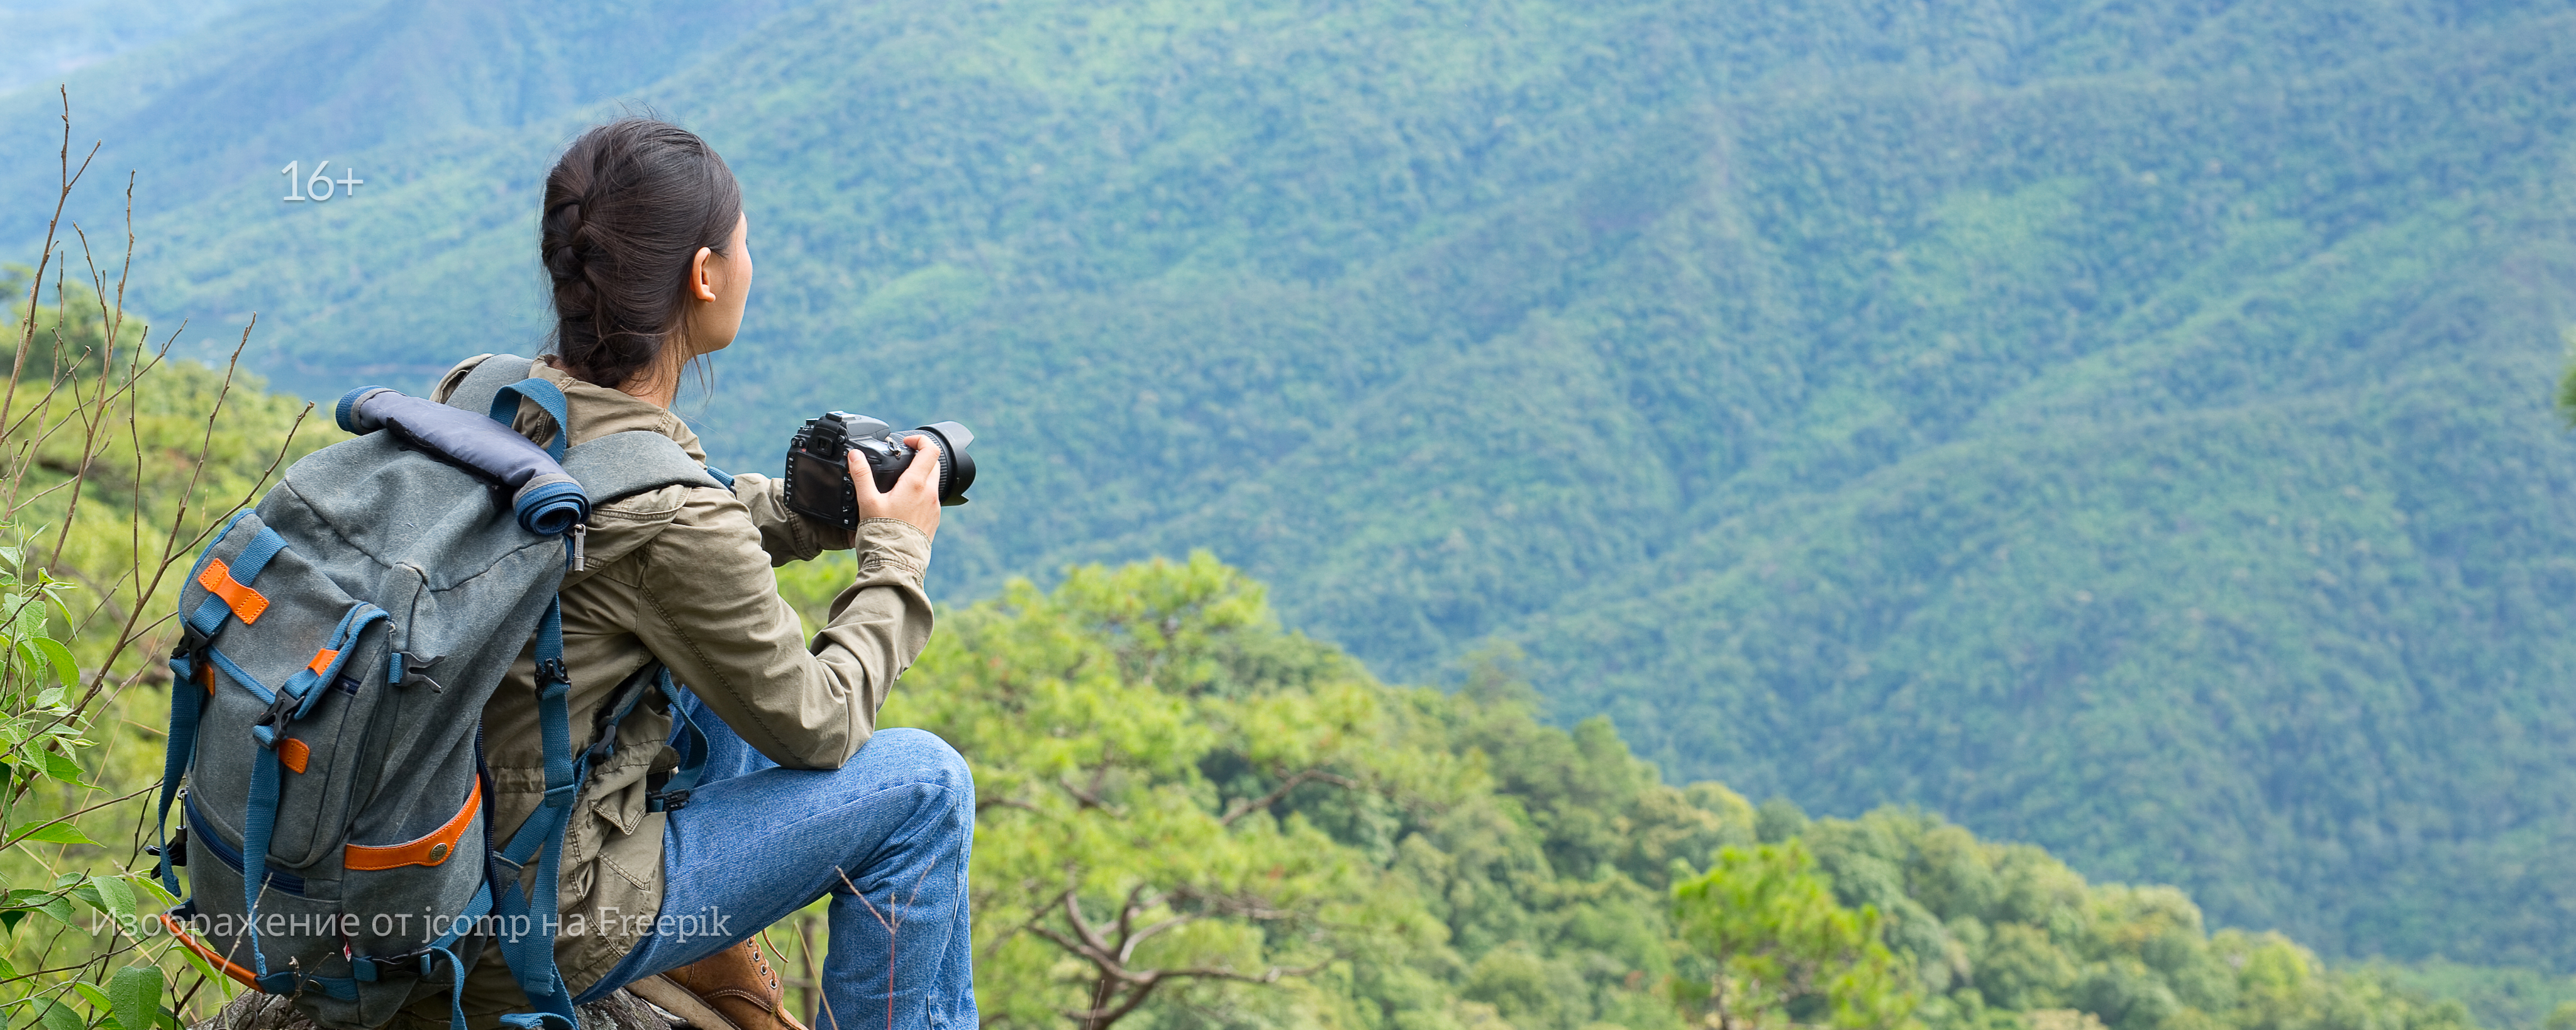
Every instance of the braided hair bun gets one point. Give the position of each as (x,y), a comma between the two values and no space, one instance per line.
(626,209)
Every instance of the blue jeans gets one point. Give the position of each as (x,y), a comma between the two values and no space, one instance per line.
(756,842)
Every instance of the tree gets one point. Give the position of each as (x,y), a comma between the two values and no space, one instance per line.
(1782,951)
(1133,734)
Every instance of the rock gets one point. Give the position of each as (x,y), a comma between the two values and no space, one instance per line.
(256,1011)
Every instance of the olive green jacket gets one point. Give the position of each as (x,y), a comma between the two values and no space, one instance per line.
(682,574)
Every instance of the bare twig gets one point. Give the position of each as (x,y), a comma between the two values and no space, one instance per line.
(901,913)
(27,333)
(813,972)
(170,552)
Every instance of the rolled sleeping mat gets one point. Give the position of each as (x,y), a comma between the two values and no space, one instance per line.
(551,504)
(546,500)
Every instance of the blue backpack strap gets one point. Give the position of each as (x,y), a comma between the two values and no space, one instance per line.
(255,834)
(691,741)
(245,567)
(343,637)
(445,948)
(530,950)
(495,387)
(505,410)
(527,942)
(186,704)
(686,736)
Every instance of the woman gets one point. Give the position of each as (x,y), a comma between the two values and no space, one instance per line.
(644,237)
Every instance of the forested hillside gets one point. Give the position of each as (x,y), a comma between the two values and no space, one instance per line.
(1263,835)
(2116,427)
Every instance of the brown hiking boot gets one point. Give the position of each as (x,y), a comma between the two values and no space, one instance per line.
(733,989)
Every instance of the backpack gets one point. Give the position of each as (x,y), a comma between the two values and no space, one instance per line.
(326,703)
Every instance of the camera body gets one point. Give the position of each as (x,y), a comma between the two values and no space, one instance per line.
(818,472)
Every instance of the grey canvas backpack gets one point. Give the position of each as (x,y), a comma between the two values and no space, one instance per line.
(326,703)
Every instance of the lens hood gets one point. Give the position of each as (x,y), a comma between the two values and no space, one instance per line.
(956,467)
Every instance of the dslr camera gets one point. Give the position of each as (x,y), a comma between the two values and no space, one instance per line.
(818,469)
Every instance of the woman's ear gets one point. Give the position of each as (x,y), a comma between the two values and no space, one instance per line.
(700,287)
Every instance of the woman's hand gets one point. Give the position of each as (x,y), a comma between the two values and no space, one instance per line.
(915,497)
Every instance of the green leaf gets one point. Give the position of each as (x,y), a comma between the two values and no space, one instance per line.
(118,896)
(7,970)
(59,1016)
(61,767)
(152,889)
(65,668)
(60,907)
(97,998)
(28,612)
(204,968)
(134,995)
(59,833)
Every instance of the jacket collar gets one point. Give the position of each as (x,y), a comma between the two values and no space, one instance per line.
(598,411)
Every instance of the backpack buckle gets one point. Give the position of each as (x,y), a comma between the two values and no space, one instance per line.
(280,712)
(373,968)
(553,670)
(666,800)
(176,854)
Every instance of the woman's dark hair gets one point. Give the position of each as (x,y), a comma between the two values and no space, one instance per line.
(627,208)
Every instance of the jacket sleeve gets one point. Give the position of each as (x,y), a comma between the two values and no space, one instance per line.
(713,614)
(787,536)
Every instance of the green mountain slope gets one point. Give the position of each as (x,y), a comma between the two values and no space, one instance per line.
(1440,861)
(2120,428)
(56,37)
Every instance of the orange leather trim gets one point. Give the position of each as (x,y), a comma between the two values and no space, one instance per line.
(236,972)
(206,675)
(433,849)
(321,662)
(295,753)
(218,580)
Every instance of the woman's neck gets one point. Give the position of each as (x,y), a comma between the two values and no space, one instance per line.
(658,383)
